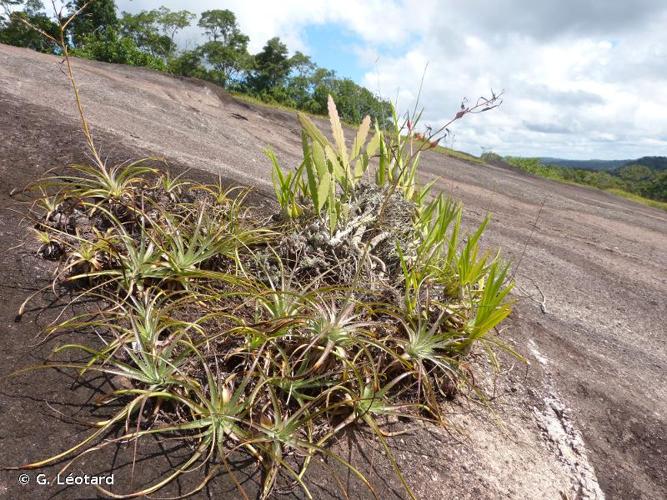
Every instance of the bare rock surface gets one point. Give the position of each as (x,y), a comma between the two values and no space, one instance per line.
(585,419)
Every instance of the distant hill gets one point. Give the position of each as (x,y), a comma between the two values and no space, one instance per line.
(653,162)
(644,177)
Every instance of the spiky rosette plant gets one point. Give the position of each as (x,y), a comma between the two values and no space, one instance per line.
(361,302)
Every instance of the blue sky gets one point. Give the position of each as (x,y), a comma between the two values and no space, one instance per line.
(332,46)
(582,78)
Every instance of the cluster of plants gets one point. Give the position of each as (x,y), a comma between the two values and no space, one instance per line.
(147,38)
(636,179)
(238,331)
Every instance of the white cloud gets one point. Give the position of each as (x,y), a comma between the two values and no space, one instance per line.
(374,21)
(584,79)
(569,95)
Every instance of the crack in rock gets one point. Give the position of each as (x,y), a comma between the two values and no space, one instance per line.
(556,422)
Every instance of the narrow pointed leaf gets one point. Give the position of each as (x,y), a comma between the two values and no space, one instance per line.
(319,159)
(323,191)
(311,172)
(337,131)
(312,130)
(360,138)
(374,143)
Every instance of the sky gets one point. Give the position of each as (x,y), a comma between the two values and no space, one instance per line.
(582,79)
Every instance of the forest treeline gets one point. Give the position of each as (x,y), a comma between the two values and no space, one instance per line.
(147,39)
(645,177)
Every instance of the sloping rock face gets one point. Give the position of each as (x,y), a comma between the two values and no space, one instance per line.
(585,418)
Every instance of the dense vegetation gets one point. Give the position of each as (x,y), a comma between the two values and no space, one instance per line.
(147,38)
(239,332)
(636,179)
(655,162)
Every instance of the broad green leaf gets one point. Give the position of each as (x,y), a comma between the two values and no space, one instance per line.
(374,143)
(324,191)
(337,131)
(319,159)
(360,167)
(312,130)
(334,165)
(311,172)
(360,139)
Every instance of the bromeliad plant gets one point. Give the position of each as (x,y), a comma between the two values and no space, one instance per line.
(329,173)
(235,338)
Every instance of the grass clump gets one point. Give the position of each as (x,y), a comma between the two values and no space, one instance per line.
(267,336)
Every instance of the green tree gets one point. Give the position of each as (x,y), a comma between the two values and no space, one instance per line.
(97,17)
(357,101)
(172,22)
(302,65)
(15,31)
(219,24)
(144,29)
(227,61)
(635,173)
(657,189)
(323,81)
(603,180)
(643,180)
(271,67)
(226,52)
(188,63)
(300,82)
(111,46)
